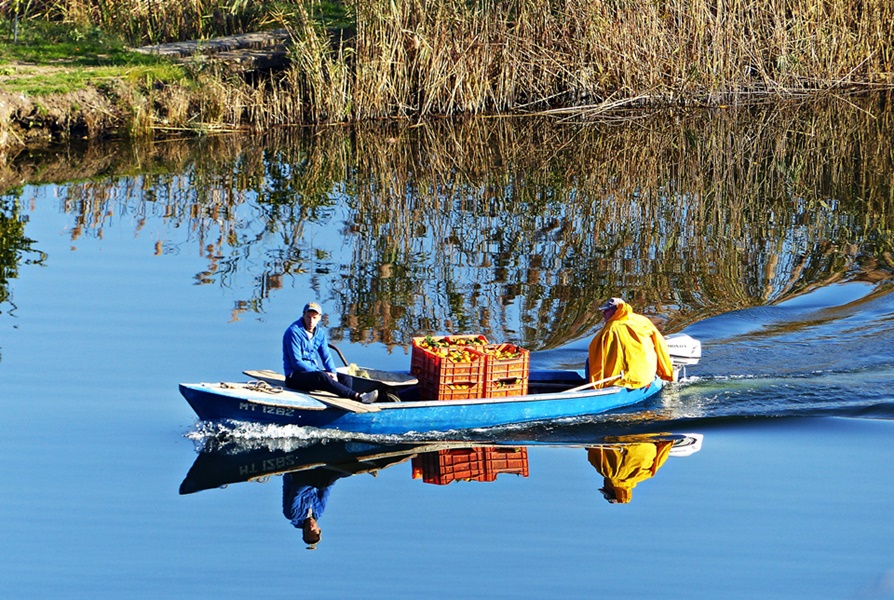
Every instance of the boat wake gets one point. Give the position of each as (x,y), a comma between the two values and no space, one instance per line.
(829,353)
(244,435)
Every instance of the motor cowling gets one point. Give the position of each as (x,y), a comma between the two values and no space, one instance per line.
(683,349)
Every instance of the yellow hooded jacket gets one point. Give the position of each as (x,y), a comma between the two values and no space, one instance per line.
(630,343)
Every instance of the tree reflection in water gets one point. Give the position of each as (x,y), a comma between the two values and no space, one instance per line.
(515,228)
(15,248)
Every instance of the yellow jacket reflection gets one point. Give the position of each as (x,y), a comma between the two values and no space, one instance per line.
(624,465)
(630,343)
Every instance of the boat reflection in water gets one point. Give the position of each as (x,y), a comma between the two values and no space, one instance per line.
(309,469)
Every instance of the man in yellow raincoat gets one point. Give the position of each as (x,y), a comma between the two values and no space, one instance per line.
(623,465)
(627,343)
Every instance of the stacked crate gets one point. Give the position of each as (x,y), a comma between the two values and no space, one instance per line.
(506,370)
(492,371)
(442,378)
(469,464)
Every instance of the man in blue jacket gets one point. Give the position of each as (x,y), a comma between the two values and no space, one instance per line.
(303,344)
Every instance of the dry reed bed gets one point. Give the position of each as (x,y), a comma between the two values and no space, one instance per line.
(531,221)
(443,57)
(154,21)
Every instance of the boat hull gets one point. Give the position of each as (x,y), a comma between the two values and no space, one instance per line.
(218,402)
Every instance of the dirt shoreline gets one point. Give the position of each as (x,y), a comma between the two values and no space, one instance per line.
(120,108)
(48,119)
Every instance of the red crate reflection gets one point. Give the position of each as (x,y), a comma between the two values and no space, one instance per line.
(469,464)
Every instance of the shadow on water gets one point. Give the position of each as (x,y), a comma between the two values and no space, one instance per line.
(509,228)
(310,468)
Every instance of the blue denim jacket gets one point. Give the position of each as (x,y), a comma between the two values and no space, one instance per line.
(300,353)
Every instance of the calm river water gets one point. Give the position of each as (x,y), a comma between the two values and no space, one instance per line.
(767,235)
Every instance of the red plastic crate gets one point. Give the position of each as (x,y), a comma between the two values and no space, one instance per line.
(507,376)
(440,378)
(451,391)
(421,354)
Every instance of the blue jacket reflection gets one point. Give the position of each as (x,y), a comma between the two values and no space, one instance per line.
(297,498)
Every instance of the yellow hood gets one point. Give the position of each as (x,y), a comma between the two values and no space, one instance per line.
(631,344)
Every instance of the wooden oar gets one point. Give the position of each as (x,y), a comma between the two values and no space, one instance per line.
(275,378)
(340,355)
(592,383)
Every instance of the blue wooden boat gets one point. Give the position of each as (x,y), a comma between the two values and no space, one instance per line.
(268,404)
(554,394)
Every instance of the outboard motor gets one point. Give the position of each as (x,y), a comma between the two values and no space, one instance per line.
(683,350)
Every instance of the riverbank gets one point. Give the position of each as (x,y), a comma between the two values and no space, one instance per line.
(414,60)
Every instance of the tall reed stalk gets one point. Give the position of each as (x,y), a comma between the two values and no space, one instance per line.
(158,21)
(449,56)
(415,58)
